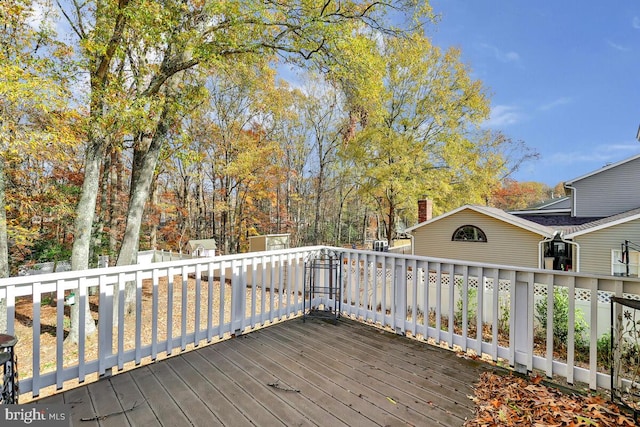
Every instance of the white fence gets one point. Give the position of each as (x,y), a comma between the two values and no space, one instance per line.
(182,304)
(392,290)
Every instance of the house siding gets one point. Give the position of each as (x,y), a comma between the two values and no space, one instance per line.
(608,192)
(595,247)
(506,244)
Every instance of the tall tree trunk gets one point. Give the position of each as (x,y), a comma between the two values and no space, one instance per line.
(153,229)
(4,246)
(316,222)
(115,210)
(144,163)
(85,212)
(391,223)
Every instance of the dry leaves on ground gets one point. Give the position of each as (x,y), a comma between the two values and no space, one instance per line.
(515,401)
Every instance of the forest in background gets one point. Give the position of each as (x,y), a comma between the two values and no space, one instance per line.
(137,124)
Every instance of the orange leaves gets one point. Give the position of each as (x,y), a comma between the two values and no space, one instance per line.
(515,401)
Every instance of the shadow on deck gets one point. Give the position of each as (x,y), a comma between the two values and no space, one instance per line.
(289,374)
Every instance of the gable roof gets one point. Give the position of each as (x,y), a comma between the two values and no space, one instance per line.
(602,169)
(558,205)
(495,213)
(602,223)
(203,243)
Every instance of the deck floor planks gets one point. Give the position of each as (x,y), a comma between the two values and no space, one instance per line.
(130,396)
(400,366)
(440,366)
(226,360)
(193,408)
(236,395)
(373,383)
(167,410)
(323,404)
(443,361)
(105,401)
(386,411)
(81,406)
(191,367)
(347,374)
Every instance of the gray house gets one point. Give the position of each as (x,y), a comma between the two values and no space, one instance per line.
(595,228)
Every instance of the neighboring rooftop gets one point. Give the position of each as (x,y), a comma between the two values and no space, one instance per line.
(556,221)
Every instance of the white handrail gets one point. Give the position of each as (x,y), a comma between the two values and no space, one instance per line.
(189,302)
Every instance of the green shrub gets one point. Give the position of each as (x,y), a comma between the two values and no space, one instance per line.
(561,320)
(472,307)
(604,350)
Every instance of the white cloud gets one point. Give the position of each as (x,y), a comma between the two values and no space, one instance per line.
(501,55)
(503,115)
(617,46)
(635,22)
(556,103)
(600,155)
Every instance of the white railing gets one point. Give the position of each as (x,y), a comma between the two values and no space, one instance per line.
(439,299)
(178,304)
(182,304)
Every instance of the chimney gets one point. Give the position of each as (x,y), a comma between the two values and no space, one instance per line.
(425,210)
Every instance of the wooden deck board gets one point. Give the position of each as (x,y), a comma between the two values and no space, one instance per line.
(257,389)
(347,374)
(368,377)
(167,410)
(404,370)
(81,406)
(130,395)
(181,392)
(191,367)
(105,401)
(323,398)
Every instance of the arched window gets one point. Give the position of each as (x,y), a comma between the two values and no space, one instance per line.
(469,233)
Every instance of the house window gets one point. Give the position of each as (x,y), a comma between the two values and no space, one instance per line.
(619,265)
(469,233)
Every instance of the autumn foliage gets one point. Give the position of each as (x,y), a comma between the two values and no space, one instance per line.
(515,401)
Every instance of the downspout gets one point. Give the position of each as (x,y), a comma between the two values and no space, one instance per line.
(540,250)
(574,190)
(576,267)
(411,237)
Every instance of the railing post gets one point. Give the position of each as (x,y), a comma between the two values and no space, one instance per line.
(238,296)
(522,333)
(105,325)
(400,296)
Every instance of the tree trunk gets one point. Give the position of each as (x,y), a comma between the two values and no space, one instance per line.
(4,247)
(144,164)
(391,223)
(316,222)
(85,212)
(153,228)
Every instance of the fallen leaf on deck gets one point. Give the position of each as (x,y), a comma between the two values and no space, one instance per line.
(515,401)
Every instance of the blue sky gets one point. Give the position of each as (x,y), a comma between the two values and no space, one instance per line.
(563,76)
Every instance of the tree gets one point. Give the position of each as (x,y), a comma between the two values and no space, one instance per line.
(171,38)
(512,195)
(423,138)
(323,119)
(32,98)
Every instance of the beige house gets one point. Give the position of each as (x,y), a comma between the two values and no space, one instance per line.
(608,245)
(482,234)
(595,228)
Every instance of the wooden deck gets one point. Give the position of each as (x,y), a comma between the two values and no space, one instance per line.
(288,374)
